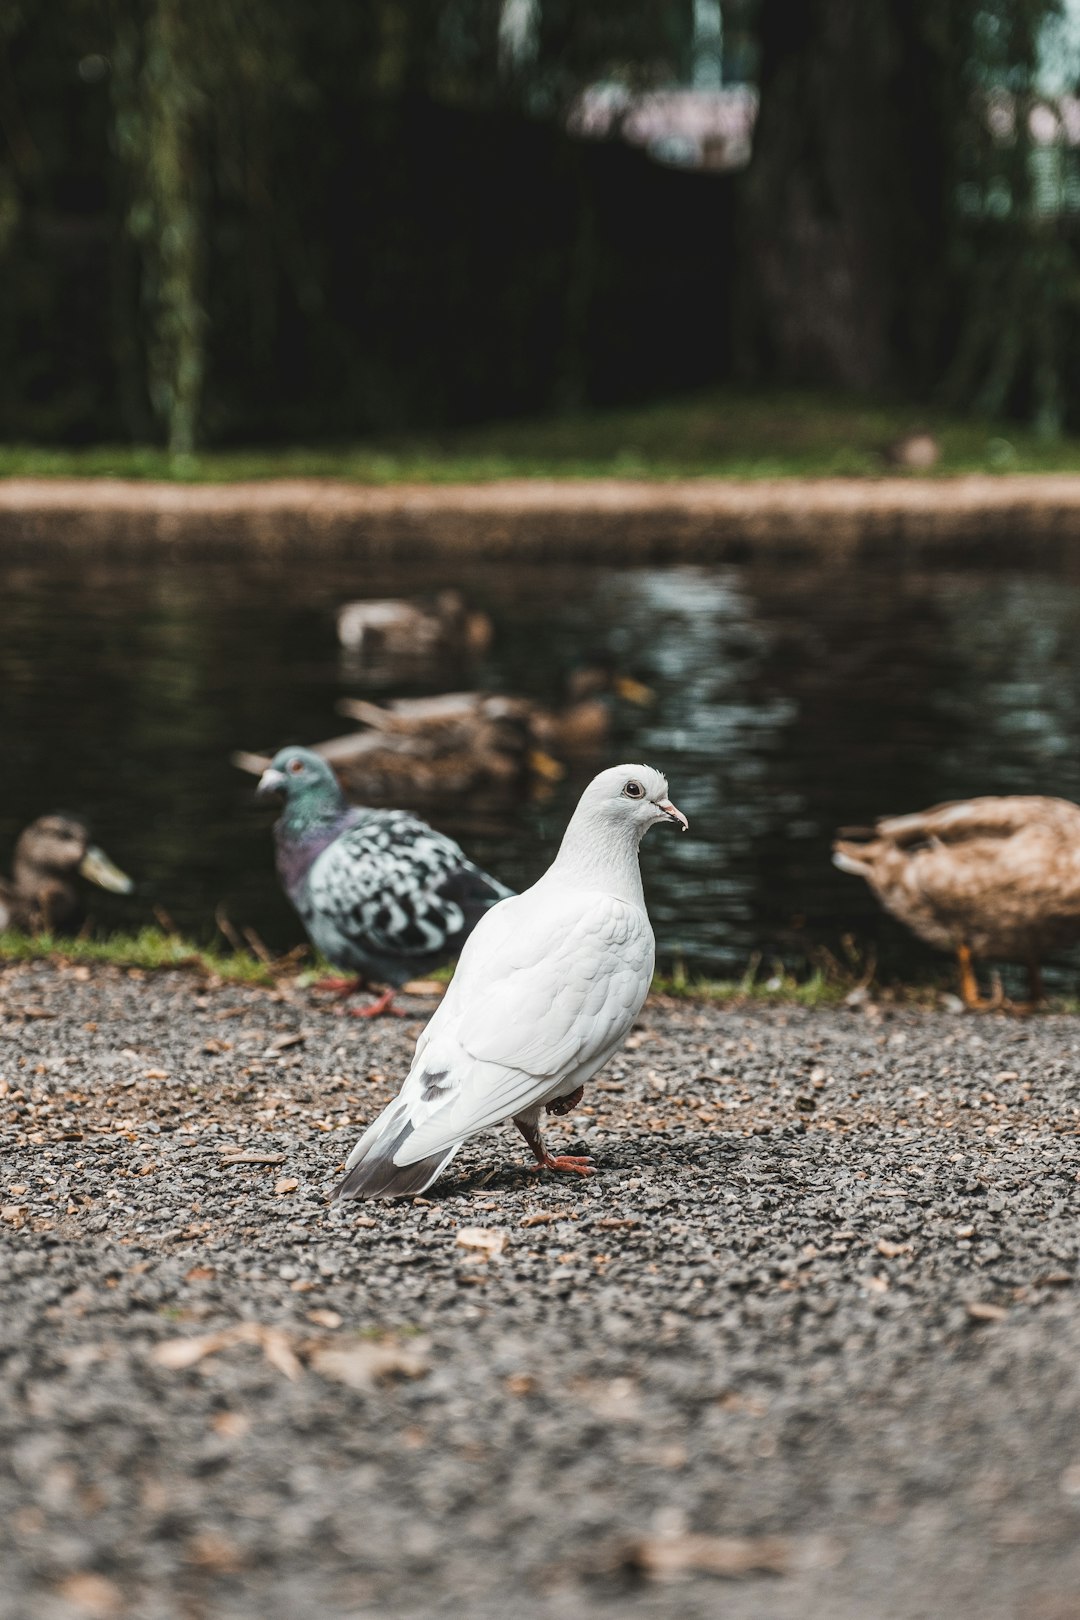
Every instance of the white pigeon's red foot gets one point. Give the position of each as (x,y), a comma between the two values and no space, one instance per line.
(570,1163)
(380,1005)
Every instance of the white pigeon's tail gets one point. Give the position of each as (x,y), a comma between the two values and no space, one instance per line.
(370,1171)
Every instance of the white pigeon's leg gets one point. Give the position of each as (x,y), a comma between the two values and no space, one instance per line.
(571,1163)
(564,1105)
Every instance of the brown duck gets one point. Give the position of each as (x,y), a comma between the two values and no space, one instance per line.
(986,878)
(42,896)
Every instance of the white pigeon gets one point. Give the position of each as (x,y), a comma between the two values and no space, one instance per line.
(547,988)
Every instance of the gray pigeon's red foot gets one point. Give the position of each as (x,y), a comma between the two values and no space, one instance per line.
(379,1006)
(340,987)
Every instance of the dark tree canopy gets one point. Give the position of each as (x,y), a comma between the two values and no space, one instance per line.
(228,220)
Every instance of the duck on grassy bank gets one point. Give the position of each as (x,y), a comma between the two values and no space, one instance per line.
(43,895)
(988,878)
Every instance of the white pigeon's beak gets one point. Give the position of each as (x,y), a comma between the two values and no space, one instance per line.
(271,781)
(675,815)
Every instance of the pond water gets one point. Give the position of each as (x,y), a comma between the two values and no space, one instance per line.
(788,699)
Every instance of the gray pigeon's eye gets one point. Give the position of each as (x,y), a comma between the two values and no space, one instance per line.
(634,790)
(296,766)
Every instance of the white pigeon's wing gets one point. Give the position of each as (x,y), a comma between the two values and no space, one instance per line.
(562,996)
(483,959)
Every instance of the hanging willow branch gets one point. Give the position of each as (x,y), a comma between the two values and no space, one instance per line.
(193,82)
(160,108)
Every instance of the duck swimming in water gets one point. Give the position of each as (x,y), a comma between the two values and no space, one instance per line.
(43,896)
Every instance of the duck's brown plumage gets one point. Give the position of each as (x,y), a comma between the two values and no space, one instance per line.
(993,877)
(42,895)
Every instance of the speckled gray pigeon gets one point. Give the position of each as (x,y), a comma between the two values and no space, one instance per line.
(381,894)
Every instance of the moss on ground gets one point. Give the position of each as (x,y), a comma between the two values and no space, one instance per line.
(150,949)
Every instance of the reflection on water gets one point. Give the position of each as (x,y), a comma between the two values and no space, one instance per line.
(789,700)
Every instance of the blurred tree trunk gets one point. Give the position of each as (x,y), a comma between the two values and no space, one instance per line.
(157,107)
(178,354)
(843,191)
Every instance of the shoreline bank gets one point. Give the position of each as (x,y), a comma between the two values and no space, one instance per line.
(690,520)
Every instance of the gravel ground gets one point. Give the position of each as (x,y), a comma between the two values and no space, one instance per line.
(806,1346)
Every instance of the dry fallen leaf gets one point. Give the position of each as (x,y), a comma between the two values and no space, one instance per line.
(983,1311)
(486,1239)
(892,1250)
(178,1354)
(282,1044)
(233,1425)
(668,1557)
(278,1352)
(253,1158)
(365,1363)
(14,1214)
(286,1184)
(155,1074)
(200,1274)
(91,1594)
(326,1319)
(209,1549)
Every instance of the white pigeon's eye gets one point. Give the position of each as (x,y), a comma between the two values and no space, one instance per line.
(633,790)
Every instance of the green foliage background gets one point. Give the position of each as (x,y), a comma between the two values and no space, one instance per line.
(237,221)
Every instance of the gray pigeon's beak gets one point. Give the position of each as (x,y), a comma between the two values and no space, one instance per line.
(97,868)
(676,815)
(271,781)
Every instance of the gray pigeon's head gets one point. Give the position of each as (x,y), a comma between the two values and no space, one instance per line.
(635,794)
(306,782)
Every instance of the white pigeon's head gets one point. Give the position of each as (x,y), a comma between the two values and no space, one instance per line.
(635,794)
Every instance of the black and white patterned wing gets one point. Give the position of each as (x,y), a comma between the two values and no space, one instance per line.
(397,891)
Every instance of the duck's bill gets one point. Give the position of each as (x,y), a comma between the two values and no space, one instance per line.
(675,815)
(271,781)
(97,868)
